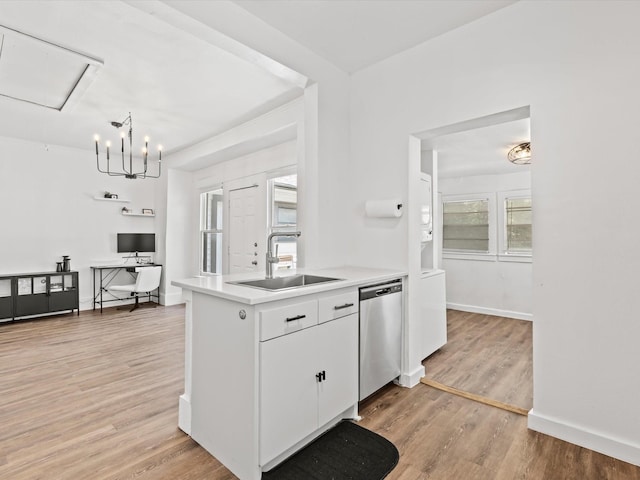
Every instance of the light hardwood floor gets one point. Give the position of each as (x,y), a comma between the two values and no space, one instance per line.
(488,356)
(96,397)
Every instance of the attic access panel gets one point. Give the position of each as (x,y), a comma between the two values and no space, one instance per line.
(42,73)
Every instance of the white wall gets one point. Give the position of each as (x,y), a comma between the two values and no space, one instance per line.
(208,164)
(181,252)
(184,187)
(47,210)
(488,285)
(575,64)
(252,169)
(270,159)
(325,181)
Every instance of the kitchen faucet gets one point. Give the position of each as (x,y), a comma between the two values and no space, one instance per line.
(271,258)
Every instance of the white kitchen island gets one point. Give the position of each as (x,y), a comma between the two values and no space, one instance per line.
(268,371)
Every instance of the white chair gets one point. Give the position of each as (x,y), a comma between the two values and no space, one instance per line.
(147,280)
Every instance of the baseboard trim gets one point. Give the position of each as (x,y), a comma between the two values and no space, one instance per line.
(171,299)
(411,379)
(490,311)
(577,435)
(184,413)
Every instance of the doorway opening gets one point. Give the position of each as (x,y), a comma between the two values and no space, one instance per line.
(482,240)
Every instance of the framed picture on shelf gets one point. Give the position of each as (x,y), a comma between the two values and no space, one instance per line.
(147,211)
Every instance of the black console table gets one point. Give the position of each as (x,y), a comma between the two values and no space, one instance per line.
(103,275)
(30,294)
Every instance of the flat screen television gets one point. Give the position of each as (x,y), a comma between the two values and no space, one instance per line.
(136,242)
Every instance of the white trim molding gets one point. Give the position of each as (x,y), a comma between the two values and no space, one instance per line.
(173,298)
(411,379)
(491,311)
(597,441)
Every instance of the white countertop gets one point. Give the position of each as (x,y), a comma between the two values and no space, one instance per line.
(349,277)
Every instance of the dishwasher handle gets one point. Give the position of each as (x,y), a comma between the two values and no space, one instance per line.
(380,290)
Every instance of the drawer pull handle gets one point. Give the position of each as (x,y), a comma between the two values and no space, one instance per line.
(297,317)
(340,307)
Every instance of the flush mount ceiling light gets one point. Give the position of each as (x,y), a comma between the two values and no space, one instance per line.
(127,171)
(520,154)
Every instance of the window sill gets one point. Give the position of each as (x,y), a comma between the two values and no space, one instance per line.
(488,257)
(483,257)
(514,257)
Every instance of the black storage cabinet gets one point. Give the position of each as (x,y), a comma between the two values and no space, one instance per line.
(6,297)
(39,293)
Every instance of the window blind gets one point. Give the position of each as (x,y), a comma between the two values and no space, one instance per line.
(466,225)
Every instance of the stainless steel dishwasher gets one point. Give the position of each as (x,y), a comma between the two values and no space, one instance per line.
(380,335)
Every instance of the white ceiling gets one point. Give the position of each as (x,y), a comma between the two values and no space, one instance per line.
(181,89)
(354,34)
(178,88)
(481,151)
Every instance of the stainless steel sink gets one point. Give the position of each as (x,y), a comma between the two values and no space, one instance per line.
(281,283)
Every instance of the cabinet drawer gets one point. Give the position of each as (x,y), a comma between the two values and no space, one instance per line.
(337,306)
(290,318)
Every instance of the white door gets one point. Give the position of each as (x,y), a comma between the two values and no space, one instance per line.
(243,230)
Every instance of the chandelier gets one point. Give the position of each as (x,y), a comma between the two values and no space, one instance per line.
(520,154)
(127,170)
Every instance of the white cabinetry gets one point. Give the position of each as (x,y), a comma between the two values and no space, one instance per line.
(433,312)
(307,378)
(267,378)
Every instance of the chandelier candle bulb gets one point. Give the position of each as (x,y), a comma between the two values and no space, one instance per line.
(128,166)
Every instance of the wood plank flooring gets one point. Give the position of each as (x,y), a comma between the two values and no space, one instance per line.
(488,356)
(96,397)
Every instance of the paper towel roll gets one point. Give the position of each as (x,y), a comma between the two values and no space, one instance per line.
(391,208)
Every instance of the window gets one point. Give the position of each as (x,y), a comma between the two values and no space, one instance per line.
(517,224)
(466,225)
(285,200)
(284,218)
(211,224)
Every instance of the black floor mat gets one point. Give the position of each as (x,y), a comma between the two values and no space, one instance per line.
(345,452)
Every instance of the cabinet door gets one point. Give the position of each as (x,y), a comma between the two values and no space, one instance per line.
(433,314)
(32,296)
(337,342)
(288,392)
(63,292)
(6,298)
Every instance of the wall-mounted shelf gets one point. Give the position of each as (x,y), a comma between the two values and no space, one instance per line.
(139,214)
(103,199)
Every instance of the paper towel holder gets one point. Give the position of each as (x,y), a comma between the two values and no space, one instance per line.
(390,208)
